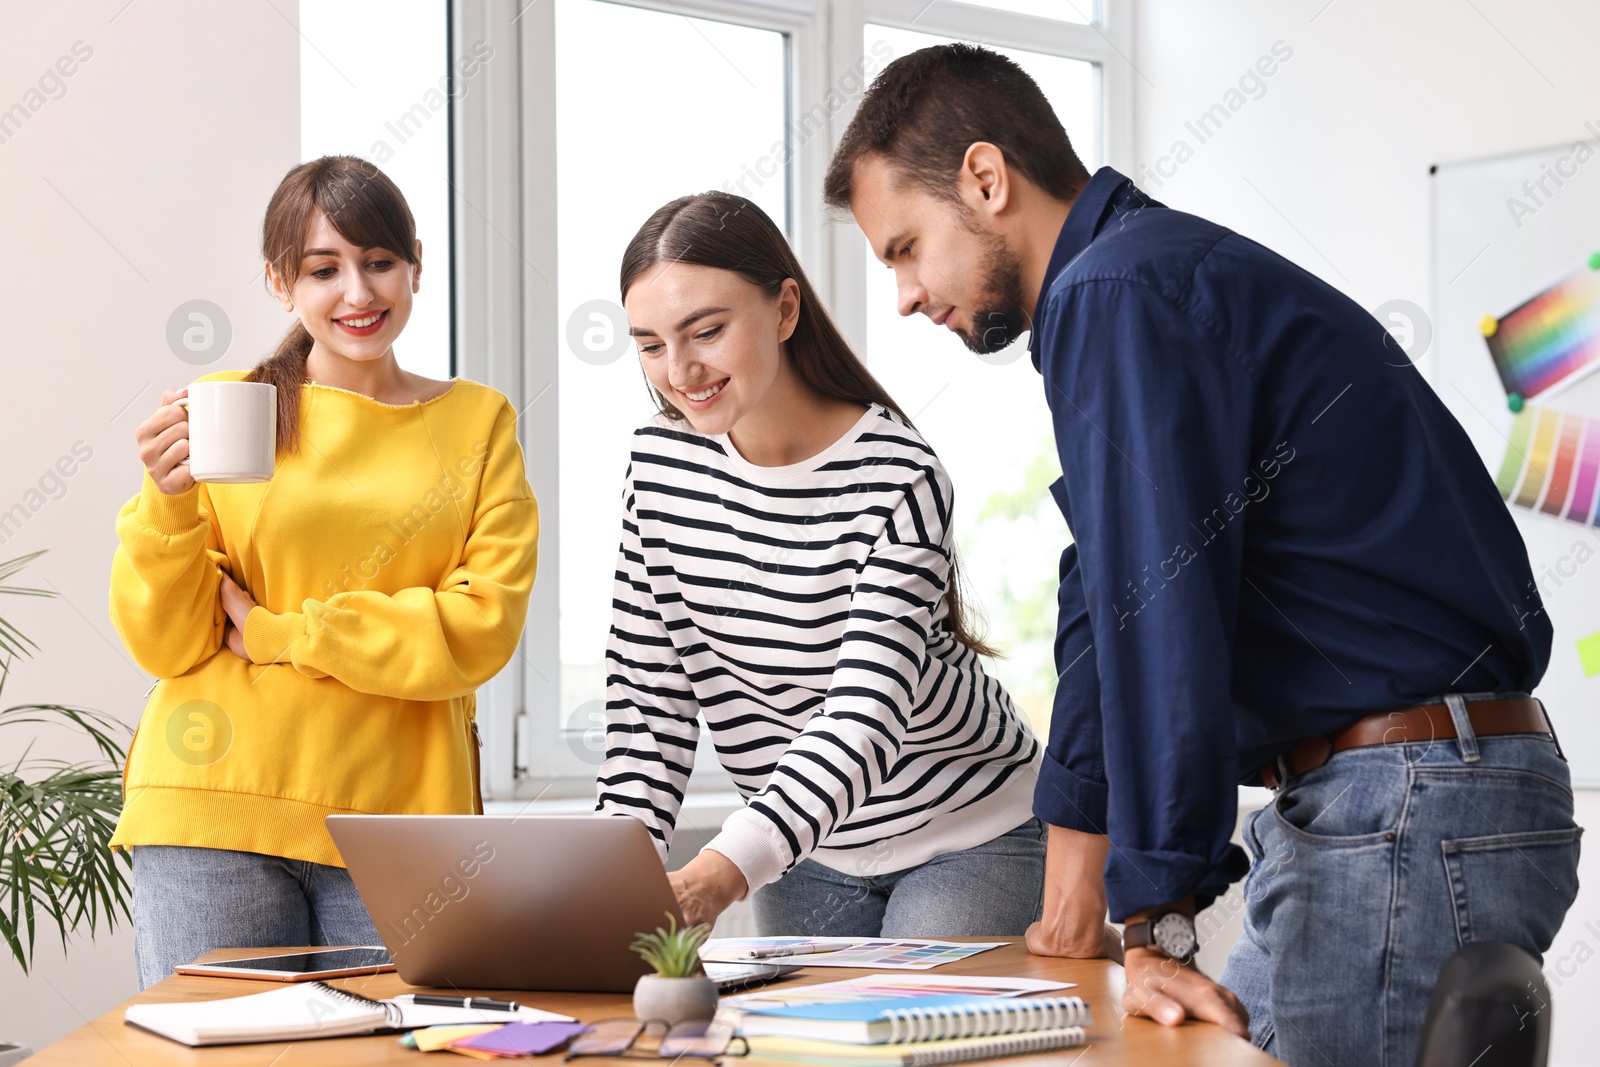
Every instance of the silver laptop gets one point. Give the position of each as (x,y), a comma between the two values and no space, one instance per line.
(514,901)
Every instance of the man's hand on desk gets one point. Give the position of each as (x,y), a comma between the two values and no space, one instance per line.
(1089,942)
(1073,922)
(706,886)
(1161,988)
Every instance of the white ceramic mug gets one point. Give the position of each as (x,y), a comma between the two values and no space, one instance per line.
(233,431)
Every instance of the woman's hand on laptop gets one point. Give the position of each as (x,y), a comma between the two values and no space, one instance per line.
(706,886)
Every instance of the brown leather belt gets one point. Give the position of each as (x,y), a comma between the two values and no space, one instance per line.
(1426,722)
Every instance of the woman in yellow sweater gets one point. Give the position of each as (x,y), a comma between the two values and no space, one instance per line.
(318,637)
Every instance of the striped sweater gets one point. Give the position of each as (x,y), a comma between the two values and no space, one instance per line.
(800,610)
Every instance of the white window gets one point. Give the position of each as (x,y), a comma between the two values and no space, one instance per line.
(376,82)
(698,105)
(611,108)
(987,419)
(1062,10)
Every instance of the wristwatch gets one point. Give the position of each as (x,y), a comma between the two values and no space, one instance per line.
(1171,932)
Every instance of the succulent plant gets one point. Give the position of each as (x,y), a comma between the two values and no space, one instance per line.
(673,952)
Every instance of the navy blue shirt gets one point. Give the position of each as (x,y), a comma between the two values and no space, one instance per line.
(1278,529)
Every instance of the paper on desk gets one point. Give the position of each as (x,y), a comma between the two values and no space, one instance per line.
(892,985)
(870,953)
(519,1039)
(433,1038)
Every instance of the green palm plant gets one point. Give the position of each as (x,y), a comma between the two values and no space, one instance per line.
(56,818)
(674,953)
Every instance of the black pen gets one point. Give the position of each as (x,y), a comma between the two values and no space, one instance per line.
(464,1002)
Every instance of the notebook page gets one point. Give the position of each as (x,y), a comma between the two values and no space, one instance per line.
(292,1012)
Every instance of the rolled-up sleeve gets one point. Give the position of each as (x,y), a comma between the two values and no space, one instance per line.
(1072,777)
(1152,420)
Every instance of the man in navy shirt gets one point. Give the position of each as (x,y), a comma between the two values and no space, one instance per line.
(1289,567)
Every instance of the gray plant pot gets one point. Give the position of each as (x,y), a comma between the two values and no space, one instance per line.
(10,1053)
(674,999)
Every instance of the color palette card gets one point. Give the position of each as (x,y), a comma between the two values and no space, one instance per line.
(1550,341)
(518,1039)
(883,986)
(433,1038)
(1552,464)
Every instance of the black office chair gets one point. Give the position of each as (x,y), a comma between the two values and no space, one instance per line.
(1490,1008)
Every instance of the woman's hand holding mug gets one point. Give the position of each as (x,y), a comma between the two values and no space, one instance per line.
(163,441)
(228,435)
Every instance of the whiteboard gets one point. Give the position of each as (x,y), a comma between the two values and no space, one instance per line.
(1505,229)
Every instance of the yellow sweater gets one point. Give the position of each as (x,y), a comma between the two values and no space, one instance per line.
(392,557)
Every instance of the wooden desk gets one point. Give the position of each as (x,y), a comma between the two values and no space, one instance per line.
(1113,1039)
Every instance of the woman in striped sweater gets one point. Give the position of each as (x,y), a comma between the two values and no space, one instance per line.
(787,571)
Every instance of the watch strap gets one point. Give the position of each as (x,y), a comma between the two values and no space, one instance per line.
(1138,935)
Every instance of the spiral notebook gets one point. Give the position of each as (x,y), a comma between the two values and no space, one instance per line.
(298,1012)
(918,1054)
(897,1020)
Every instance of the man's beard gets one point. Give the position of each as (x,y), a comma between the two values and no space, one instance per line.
(1000,319)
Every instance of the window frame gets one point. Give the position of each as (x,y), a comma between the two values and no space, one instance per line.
(504,205)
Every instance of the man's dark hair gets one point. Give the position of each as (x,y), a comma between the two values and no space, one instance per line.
(922,113)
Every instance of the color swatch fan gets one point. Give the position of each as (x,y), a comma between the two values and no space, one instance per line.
(1550,341)
(1552,464)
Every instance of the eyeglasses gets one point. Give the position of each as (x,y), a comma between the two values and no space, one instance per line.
(702,1039)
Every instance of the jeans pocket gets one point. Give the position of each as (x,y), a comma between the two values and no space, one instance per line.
(1513,887)
(1343,804)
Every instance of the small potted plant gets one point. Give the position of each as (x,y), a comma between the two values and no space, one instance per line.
(679,989)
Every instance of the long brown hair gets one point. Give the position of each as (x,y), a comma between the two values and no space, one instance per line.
(368,211)
(728,232)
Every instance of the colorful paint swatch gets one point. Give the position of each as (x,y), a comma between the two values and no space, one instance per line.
(874,986)
(1544,439)
(1589,654)
(1551,340)
(1552,464)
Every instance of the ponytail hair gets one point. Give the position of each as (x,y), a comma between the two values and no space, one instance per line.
(286,369)
(367,209)
(729,232)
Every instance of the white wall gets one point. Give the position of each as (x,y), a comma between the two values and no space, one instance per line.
(141,187)
(1329,166)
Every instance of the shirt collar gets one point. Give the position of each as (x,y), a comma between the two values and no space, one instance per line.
(1083,223)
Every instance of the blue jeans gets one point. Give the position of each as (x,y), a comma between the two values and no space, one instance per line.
(1368,872)
(188,901)
(996,888)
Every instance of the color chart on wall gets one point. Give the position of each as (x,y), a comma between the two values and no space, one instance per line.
(1551,340)
(1552,464)
(1545,461)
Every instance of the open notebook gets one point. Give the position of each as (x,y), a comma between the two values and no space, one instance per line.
(295,1012)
